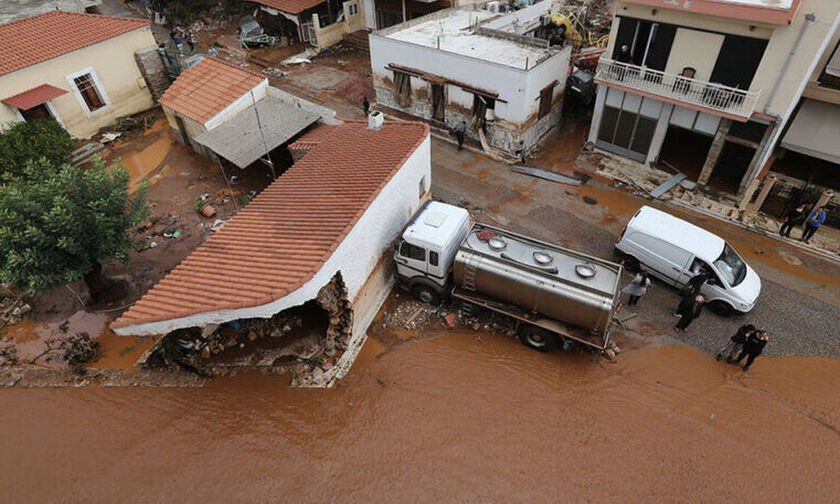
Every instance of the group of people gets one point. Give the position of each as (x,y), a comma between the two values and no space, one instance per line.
(747,342)
(179,36)
(796,217)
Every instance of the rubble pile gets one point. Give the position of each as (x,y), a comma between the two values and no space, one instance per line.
(13,307)
(333,299)
(212,19)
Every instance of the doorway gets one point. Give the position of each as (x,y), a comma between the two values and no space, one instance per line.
(438,103)
(37,112)
(731,167)
(685,150)
(626,133)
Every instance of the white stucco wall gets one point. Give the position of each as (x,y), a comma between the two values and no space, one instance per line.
(356,257)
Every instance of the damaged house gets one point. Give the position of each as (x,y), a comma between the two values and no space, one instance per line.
(708,87)
(478,66)
(225,112)
(307,258)
(79,69)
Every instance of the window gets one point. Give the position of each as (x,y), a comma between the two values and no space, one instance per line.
(402,88)
(481,104)
(90,94)
(413,252)
(545,100)
(352,9)
(731,266)
(433,258)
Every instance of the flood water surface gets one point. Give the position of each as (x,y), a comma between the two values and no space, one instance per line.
(454,418)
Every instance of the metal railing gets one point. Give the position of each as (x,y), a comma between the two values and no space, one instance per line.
(684,89)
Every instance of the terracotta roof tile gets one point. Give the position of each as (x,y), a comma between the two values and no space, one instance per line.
(285,235)
(201,92)
(34,97)
(35,39)
(290,6)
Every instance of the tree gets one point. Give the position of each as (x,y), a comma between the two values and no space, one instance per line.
(61,224)
(33,140)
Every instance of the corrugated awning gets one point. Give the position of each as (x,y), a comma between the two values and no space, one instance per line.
(34,97)
(239,140)
(815,131)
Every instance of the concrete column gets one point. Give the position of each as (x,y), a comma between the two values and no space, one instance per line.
(751,188)
(769,182)
(659,133)
(825,197)
(714,151)
(595,125)
(754,168)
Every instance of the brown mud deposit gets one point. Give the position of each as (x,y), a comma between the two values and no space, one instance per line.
(447,419)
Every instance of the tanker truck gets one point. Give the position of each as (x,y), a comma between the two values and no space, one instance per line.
(554,295)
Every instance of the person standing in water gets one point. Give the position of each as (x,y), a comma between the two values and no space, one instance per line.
(752,348)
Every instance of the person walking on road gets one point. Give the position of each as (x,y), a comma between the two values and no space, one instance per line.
(637,288)
(366,106)
(736,343)
(752,348)
(815,220)
(794,217)
(460,130)
(689,312)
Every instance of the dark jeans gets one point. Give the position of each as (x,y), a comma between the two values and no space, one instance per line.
(809,232)
(460,137)
(632,300)
(750,357)
(786,228)
(684,322)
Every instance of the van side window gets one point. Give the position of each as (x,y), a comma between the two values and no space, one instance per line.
(433,258)
(413,252)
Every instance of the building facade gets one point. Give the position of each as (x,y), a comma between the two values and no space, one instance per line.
(79,69)
(470,64)
(707,86)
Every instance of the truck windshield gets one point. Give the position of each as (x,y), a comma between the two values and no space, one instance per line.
(731,266)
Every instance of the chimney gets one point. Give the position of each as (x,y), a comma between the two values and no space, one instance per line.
(375,120)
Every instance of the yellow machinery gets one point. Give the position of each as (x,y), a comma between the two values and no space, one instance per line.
(574,31)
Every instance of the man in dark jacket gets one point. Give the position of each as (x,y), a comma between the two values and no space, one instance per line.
(736,342)
(753,348)
(793,218)
(689,312)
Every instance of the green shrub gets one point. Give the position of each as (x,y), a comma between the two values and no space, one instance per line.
(31,141)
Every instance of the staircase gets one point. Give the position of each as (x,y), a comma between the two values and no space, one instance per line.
(358,39)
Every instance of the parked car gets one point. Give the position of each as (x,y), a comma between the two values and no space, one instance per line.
(674,250)
(251,34)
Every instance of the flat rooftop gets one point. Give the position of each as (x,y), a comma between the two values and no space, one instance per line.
(449,31)
(19,9)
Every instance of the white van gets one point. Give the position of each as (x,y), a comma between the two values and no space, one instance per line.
(674,250)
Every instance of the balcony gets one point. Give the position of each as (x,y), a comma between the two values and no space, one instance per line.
(709,97)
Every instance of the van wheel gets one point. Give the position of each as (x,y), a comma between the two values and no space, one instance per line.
(537,338)
(426,294)
(721,308)
(631,263)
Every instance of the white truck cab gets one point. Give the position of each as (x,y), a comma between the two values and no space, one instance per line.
(674,250)
(427,248)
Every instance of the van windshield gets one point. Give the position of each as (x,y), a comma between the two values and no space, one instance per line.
(731,266)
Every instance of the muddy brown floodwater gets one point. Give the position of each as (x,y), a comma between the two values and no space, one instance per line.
(452,418)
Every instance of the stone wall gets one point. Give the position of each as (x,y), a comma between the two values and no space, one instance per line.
(151,66)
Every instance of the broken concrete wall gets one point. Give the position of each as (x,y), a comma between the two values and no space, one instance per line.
(333,299)
(151,66)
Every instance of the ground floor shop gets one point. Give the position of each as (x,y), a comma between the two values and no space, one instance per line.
(713,151)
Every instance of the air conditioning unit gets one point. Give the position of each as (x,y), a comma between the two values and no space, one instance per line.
(494,7)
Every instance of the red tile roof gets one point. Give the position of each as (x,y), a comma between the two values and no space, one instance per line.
(290,6)
(34,97)
(201,92)
(285,235)
(35,39)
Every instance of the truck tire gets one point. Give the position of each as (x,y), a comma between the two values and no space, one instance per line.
(537,338)
(722,308)
(426,294)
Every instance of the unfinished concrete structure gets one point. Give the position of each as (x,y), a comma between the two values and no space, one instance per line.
(708,86)
(470,64)
(322,232)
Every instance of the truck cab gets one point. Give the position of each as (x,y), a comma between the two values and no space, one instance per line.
(426,250)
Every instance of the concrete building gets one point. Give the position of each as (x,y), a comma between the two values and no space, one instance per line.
(380,14)
(223,111)
(79,69)
(320,23)
(19,9)
(470,64)
(708,86)
(319,236)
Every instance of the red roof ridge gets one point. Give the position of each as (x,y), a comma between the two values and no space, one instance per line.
(232,65)
(141,22)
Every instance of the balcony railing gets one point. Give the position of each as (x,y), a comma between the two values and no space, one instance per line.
(679,88)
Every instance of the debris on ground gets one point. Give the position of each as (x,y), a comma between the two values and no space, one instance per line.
(304,57)
(545,174)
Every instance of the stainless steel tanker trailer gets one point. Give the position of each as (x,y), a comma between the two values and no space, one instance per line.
(554,294)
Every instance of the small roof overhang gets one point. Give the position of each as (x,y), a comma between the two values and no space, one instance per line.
(239,140)
(34,97)
(815,131)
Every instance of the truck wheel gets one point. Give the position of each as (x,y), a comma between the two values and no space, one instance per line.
(721,308)
(426,294)
(537,338)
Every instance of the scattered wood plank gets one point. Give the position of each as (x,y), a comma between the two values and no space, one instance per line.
(545,174)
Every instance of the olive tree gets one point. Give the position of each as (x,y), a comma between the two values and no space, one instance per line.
(58,224)
(32,140)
